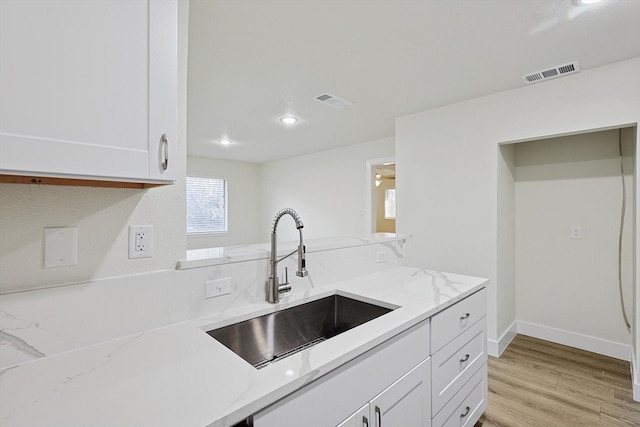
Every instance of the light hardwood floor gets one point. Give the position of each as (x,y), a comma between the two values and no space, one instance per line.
(539,383)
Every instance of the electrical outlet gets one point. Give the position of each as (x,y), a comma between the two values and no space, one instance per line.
(218,287)
(381,256)
(140,241)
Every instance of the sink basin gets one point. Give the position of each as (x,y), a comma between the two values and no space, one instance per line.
(266,339)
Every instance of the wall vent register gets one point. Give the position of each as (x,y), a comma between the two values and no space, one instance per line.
(550,73)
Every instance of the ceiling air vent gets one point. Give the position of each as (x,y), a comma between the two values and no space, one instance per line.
(334,101)
(560,70)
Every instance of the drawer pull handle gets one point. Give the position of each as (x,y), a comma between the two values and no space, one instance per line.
(466,412)
(464,359)
(465,317)
(379,416)
(365,422)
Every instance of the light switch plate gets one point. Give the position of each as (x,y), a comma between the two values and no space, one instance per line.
(60,246)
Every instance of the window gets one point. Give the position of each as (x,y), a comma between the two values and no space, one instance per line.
(390,203)
(206,205)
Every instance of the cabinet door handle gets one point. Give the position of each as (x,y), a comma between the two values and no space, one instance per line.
(466,412)
(165,151)
(379,416)
(365,421)
(465,317)
(464,359)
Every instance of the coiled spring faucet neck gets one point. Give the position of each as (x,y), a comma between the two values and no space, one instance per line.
(274,287)
(283,212)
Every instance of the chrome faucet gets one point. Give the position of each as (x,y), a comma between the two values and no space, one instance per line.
(274,287)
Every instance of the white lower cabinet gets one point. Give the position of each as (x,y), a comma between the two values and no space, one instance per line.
(433,374)
(459,362)
(403,403)
(394,376)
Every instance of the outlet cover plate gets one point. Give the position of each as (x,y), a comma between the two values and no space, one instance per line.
(60,246)
(218,287)
(140,241)
(576,232)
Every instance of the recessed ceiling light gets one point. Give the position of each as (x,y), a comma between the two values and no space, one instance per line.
(289,120)
(587,2)
(224,141)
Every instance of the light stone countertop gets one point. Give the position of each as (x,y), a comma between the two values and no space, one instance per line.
(179,376)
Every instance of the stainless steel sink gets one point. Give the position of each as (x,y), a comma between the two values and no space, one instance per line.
(266,339)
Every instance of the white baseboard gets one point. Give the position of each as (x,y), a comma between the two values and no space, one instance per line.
(583,342)
(495,348)
(634,379)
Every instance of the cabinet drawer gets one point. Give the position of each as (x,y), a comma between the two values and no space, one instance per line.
(450,323)
(454,364)
(467,406)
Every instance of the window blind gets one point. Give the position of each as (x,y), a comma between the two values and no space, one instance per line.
(206,205)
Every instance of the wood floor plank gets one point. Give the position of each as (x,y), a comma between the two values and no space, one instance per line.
(522,373)
(585,391)
(545,406)
(538,383)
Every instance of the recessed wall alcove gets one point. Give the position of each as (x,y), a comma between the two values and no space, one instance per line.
(559,215)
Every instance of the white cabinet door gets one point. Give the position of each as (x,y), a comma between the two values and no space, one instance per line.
(88,89)
(407,402)
(359,419)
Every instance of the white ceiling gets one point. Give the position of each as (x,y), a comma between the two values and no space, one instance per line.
(251,62)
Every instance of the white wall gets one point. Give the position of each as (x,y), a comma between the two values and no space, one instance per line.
(506,247)
(448,172)
(102,216)
(572,284)
(328,190)
(243,187)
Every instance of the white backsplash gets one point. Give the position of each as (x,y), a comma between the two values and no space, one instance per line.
(44,322)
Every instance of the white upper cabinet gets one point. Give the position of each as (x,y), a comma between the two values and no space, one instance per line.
(88,89)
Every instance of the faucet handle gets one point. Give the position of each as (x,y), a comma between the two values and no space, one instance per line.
(284,287)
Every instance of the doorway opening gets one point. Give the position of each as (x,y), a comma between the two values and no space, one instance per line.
(381,194)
